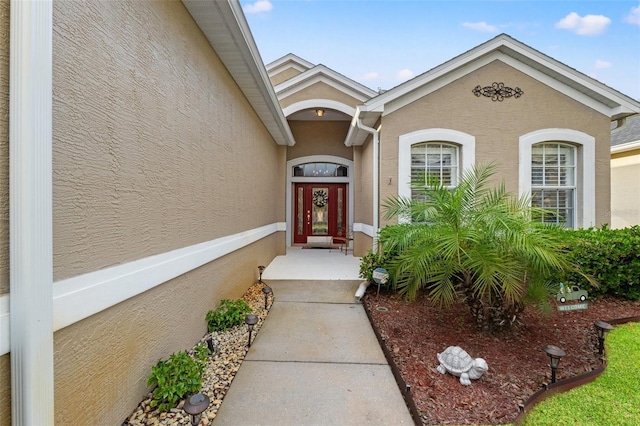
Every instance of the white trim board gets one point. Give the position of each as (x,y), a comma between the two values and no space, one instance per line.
(77,298)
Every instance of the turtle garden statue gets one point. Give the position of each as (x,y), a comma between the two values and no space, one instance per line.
(459,363)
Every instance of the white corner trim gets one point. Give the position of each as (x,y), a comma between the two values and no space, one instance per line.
(318,103)
(587,168)
(365,229)
(466,142)
(77,298)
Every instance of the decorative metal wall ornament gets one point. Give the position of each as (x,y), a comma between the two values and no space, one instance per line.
(497,92)
(320,198)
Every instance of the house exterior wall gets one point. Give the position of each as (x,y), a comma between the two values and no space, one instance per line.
(5,360)
(319,90)
(625,199)
(363,181)
(284,76)
(319,138)
(497,126)
(151,141)
(4,146)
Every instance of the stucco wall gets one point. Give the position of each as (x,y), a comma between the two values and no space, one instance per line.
(319,138)
(363,163)
(5,360)
(154,148)
(497,126)
(625,197)
(319,90)
(4,146)
(284,76)
(102,363)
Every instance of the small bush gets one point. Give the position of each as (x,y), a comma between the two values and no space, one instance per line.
(229,314)
(611,256)
(177,377)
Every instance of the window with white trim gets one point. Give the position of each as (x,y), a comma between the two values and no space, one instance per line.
(553,182)
(433,160)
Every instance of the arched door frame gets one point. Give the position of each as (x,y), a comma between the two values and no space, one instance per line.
(291,180)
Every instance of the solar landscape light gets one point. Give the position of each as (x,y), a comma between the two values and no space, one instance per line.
(250,320)
(267,291)
(195,406)
(555,354)
(261,269)
(602,328)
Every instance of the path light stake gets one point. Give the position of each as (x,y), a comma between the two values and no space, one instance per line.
(267,291)
(250,320)
(555,354)
(210,345)
(602,328)
(195,406)
(261,270)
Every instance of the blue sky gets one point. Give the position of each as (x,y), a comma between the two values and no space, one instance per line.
(381,43)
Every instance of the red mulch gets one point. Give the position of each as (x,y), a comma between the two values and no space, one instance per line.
(416,332)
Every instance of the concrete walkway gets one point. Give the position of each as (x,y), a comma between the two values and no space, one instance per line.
(316,360)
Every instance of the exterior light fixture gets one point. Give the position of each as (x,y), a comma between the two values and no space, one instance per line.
(267,291)
(319,112)
(250,320)
(602,328)
(555,354)
(261,269)
(195,406)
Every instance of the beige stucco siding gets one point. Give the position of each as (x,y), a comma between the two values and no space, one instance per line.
(102,363)
(319,90)
(154,149)
(284,76)
(625,181)
(152,138)
(497,126)
(4,146)
(319,138)
(363,181)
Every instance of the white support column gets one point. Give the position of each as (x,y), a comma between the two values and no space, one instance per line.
(30,212)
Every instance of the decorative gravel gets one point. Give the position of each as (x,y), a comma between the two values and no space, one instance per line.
(230,350)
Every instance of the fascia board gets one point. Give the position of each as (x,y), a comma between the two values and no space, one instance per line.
(225,27)
(321,73)
(275,71)
(289,60)
(355,135)
(629,146)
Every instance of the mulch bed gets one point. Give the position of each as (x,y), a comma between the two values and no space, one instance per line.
(415,332)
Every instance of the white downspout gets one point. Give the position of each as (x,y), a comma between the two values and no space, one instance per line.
(30,212)
(376,179)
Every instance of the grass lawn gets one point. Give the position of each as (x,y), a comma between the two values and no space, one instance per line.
(611,399)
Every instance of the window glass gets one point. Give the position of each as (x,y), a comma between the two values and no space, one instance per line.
(553,177)
(433,160)
(320,170)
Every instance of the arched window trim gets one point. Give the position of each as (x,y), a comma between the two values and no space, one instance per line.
(466,150)
(585,143)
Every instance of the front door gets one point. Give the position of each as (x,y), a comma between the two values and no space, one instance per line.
(320,210)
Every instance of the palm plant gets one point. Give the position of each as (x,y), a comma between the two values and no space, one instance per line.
(474,242)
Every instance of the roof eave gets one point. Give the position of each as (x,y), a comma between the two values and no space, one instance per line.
(224,25)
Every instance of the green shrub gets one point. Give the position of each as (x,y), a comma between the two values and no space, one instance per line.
(229,314)
(611,256)
(177,377)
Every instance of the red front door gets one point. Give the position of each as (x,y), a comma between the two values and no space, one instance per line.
(320,210)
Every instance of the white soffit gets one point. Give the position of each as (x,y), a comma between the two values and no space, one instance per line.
(530,61)
(321,73)
(225,27)
(288,61)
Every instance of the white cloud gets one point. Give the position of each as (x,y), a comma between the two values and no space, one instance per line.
(371,75)
(259,6)
(589,25)
(600,64)
(634,16)
(404,74)
(481,26)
